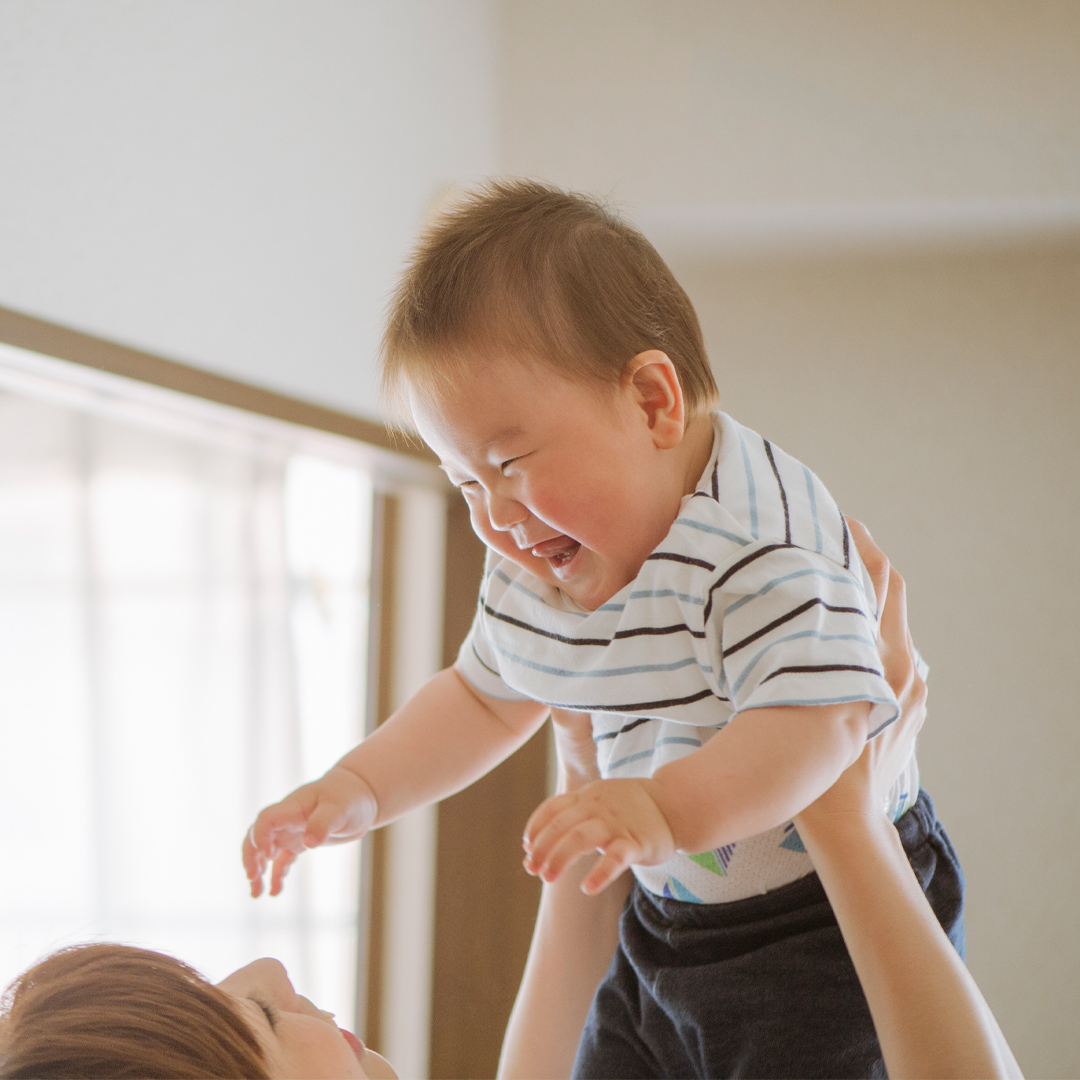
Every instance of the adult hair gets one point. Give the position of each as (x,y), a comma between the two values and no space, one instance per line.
(520,270)
(103,1010)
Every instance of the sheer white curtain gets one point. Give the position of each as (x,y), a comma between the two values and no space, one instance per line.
(183,629)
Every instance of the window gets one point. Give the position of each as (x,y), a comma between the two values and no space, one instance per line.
(183,638)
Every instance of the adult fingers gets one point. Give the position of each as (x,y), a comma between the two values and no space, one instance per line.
(897,651)
(874,559)
(899,660)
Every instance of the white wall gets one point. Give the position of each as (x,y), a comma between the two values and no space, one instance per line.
(876,210)
(705,102)
(234,184)
(937,396)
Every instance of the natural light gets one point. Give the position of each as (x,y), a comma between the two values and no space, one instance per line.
(183,633)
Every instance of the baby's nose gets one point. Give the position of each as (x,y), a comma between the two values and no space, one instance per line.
(504,513)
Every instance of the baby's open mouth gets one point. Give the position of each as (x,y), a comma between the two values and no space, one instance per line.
(559,550)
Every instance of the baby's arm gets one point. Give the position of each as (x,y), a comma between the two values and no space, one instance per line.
(442,739)
(755,774)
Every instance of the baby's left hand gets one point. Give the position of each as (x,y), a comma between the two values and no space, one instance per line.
(618,818)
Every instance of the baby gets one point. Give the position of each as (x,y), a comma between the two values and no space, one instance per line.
(657,565)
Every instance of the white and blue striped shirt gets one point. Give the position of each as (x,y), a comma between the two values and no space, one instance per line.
(756,597)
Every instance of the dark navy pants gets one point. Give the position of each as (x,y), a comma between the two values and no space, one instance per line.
(761,987)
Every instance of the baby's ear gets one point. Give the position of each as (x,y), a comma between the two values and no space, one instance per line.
(652,378)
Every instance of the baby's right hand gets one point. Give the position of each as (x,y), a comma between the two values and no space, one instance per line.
(339,806)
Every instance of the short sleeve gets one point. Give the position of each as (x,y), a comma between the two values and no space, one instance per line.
(792,627)
(478,663)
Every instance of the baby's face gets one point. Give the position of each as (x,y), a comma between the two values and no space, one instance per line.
(561,477)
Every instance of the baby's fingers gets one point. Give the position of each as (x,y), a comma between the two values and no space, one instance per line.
(273,833)
(280,869)
(543,815)
(254,864)
(283,818)
(563,841)
(616,858)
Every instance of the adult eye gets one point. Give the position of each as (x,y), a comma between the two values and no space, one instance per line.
(268,1011)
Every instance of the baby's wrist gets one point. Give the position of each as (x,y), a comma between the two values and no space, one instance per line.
(656,793)
(361,791)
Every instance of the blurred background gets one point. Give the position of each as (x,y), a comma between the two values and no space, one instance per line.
(874,206)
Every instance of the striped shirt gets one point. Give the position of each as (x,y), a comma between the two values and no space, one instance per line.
(756,597)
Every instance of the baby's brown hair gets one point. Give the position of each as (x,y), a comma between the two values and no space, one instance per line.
(519,269)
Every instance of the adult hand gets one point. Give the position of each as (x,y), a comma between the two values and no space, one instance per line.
(930,1017)
(863,787)
(575,749)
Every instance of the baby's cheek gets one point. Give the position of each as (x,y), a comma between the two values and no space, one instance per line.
(480,524)
(492,537)
(500,542)
(584,514)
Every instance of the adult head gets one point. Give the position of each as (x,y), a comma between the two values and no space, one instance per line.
(105,1010)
